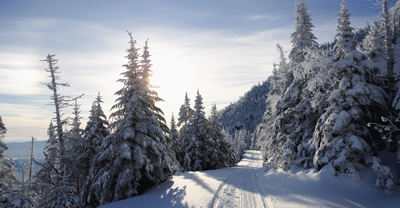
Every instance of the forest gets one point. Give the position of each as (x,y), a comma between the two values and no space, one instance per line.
(333,104)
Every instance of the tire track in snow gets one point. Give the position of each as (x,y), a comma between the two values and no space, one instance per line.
(241,188)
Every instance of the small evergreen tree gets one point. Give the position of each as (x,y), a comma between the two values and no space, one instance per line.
(373,44)
(176,145)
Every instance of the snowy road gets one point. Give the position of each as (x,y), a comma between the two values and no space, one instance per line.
(241,188)
(248,185)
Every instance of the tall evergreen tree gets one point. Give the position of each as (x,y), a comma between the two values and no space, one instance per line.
(194,136)
(302,37)
(185,112)
(341,136)
(135,156)
(74,152)
(390,61)
(345,35)
(226,157)
(94,133)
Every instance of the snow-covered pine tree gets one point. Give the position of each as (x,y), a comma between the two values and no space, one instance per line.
(135,156)
(389,57)
(239,144)
(373,44)
(185,112)
(265,130)
(203,140)
(345,35)
(54,187)
(302,37)
(46,176)
(290,114)
(94,133)
(19,198)
(7,166)
(226,156)
(341,136)
(385,178)
(74,151)
(176,145)
(197,141)
(61,195)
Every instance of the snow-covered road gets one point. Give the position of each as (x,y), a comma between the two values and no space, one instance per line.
(249,185)
(241,188)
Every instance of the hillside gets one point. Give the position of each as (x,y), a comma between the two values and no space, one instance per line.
(248,111)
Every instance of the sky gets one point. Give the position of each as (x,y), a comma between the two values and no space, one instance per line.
(219,47)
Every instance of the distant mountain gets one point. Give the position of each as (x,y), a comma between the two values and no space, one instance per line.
(19,149)
(248,111)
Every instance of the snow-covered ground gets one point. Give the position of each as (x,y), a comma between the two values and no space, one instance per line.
(248,185)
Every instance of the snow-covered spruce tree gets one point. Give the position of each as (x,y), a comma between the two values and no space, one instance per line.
(202,143)
(197,141)
(46,176)
(373,44)
(265,129)
(50,187)
(345,35)
(61,195)
(341,137)
(7,166)
(185,112)
(176,145)
(302,37)
(94,133)
(389,57)
(290,115)
(289,125)
(239,144)
(226,157)
(20,195)
(135,156)
(385,178)
(74,150)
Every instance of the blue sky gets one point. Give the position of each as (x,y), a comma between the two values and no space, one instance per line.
(221,47)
